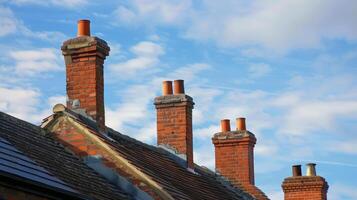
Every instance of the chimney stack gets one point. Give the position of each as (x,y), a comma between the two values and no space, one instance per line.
(234,153)
(174,120)
(84,58)
(309,187)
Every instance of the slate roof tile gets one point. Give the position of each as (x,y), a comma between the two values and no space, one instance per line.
(49,154)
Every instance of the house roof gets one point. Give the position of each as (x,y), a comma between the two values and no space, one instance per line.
(32,154)
(14,164)
(161,166)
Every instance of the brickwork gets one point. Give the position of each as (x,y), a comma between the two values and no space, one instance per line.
(234,157)
(81,145)
(305,188)
(174,124)
(84,58)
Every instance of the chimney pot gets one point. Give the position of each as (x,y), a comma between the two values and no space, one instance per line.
(179,87)
(240,123)
(83,27)
(166,88)
(296,170)
(225,125)
(310,170)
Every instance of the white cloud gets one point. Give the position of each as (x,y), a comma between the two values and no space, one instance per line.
(33,62)
(133,109)
(202,98)
(61,3)
(348,147)
(147,49)
(53,100)
(264,148)
(153,11)
(146,57)
(204,156)
(204,133)
(258,70)
(19,102)
(26,103)
(10,25)
(316,115)
(275,25)
(8,22)
(49,36)
(148,133)
(189,72)
(271,25)
(339,191)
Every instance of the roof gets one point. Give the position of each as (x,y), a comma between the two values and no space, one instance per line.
(29,153)
(163,167)
(15,164)
(166,169)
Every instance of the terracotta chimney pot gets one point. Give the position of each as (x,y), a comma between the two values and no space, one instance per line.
(225,125)
(166,88)
(240,123)
(83,28)
(179,87)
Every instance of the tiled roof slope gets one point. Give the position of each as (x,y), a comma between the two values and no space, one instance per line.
(164,168)
(177,180)
(49,154)
(15,165)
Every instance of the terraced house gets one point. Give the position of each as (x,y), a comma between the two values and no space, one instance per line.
(74,155)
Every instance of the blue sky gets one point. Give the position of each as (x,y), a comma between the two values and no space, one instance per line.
(289,67)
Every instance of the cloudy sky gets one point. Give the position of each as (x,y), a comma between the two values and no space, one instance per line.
(289,67)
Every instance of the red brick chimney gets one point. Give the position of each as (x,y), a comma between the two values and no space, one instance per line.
(234,152)
(84,57)
(174,120)
(309,187)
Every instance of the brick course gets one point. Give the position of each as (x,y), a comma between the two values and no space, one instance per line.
(234,157)
(305,188)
